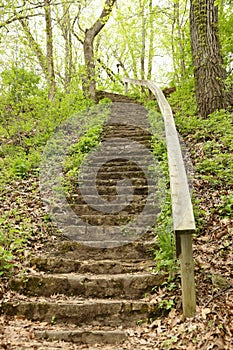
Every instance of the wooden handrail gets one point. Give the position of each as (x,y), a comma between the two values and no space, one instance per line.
(182,209)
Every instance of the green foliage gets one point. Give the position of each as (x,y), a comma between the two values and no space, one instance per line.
(183,100)
(226,207)
(6,261)
(26,125)
(167,304)
(78,152)
(18,84)
(12,240)
(215,138)
(27,121)
(164,256)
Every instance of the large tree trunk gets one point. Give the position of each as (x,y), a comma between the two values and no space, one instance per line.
(89,83)
(207,60)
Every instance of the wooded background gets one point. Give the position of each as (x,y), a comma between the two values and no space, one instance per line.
(74,45)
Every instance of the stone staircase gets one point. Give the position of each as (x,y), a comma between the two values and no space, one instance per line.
(91,287)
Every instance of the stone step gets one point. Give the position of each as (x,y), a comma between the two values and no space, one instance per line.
(142,182)
(123,167)
(116,137)
(92,199)
(107,219)
(84,336)
(126,286)
(113,313)
(138,160)
(125,132)
(60,265)
(123,209)
(136,178)
(129,149)
(81,251)
(127,139)
(105,236)
(111,175)
(111,189)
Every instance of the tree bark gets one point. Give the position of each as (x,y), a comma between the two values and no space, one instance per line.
(89,83)
(46,61)
(49,53)
(143,39)
(209,73)
(151,42)
(66,32)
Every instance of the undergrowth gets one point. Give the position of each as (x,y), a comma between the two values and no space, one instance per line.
(27,121)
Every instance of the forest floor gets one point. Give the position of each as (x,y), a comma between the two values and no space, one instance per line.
(210,328)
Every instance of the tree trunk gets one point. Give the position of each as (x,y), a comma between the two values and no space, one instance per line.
(143,38)
(49,54)
(66,32)
(180,40)
(207,60)
(151,42)
(35,46)
(89,81)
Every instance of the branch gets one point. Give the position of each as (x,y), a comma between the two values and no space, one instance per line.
(109,72)
(17,18)
(35,46)
(101,21)
(72,29)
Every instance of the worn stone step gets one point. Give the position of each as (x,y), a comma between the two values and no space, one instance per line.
(106,236)
(111,189)
(60,265)
(142,181)
(128,140)
(92,199)
(124,167)
(127,286)
(114,97)
(119,174)
(123,209)
(106,244)
(119,134)
(139,160)
(81,251)
(82,336)
(94,312)
(118,138)
(108,219)
(133,151)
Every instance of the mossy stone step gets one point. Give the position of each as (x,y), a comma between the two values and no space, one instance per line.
(126,286)
(60,265)
(84,336)
(108,208)
(94,312)
(137,199)
(111,174)
(79,251)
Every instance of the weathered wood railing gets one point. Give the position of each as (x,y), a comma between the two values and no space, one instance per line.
(182,210)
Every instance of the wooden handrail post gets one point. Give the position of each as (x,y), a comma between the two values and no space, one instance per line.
(187,274)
